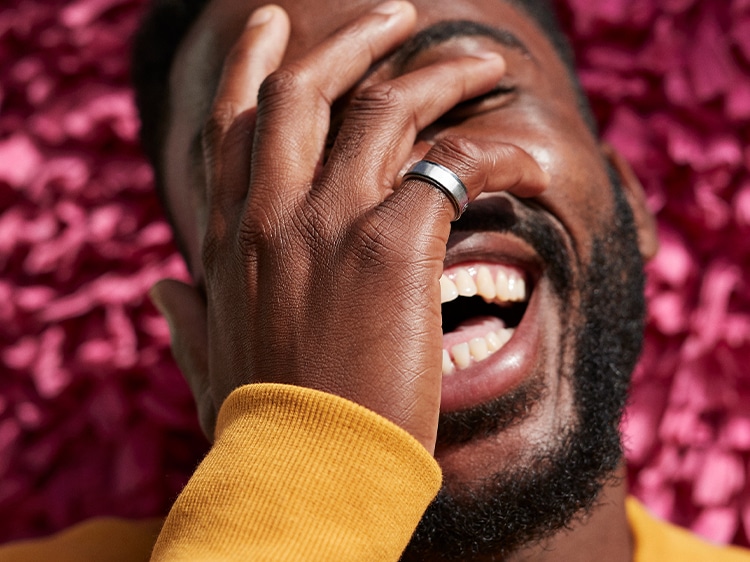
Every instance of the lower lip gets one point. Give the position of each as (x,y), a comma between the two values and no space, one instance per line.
(501,372)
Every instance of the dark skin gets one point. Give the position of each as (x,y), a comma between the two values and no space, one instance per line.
(315,266)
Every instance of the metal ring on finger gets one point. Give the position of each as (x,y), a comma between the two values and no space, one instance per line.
(443,179)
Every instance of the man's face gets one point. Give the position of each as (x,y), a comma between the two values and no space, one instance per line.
(524,405)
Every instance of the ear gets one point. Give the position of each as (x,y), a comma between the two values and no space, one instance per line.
(184,309)
(645,223)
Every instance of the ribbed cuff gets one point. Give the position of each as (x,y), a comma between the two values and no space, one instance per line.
(298,474)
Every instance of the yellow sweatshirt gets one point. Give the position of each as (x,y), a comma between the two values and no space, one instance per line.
(296,475)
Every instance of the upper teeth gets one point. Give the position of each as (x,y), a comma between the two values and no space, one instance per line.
(506,285)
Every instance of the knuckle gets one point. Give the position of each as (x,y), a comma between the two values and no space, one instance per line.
(262,228)
(282,84)
(222,115)
(379,100)
(457,152)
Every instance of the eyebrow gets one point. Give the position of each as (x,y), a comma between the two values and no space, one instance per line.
(444,31)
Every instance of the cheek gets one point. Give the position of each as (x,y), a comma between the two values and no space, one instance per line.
(584,187)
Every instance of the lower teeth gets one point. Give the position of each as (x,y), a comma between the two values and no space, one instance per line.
(478,349)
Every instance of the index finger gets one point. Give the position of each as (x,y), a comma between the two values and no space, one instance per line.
(295,102)
(227,135)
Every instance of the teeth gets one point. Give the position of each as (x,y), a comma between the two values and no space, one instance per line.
(448,367)
(504,336)
(502,286)
(465,284)
(519,290)
(493,342)
(477,349)
(485,284)
(507,286)
(448,290)
(461,355)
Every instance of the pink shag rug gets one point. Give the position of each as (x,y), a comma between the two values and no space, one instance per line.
(94,416)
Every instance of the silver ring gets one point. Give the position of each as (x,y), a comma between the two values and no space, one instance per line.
(443,179)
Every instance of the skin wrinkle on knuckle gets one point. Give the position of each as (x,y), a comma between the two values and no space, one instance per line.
(282,90)
(261,231)
(378,102)
(458,154)
(279,83)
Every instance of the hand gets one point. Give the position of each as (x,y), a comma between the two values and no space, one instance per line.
(323,272)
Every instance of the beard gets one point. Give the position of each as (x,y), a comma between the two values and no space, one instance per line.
(528,503)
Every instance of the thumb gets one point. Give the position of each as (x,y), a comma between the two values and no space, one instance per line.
(184,309)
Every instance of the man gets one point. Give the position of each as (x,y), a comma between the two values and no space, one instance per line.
(349,347)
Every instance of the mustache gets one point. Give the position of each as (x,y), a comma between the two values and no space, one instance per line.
(528,221)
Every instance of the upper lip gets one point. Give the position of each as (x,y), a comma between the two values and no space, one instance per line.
(485,234)
(493,246)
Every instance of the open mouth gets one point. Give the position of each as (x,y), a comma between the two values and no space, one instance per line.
(483,303)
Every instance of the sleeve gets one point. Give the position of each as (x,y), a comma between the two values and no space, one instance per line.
(102,539)
(297,474)
(658,541)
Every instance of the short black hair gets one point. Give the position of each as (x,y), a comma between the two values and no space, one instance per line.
(161,31)
(166,23)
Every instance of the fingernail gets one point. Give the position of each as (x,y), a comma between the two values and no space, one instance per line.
(260,16)
(389,8)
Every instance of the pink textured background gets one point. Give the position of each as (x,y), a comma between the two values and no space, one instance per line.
(94,417)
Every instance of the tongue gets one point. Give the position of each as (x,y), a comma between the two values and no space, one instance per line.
(473,328)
